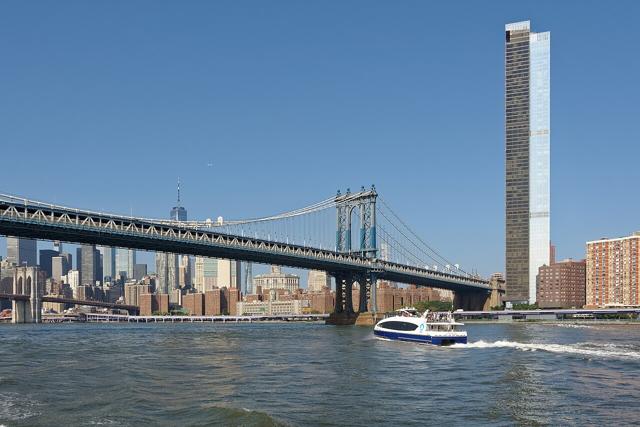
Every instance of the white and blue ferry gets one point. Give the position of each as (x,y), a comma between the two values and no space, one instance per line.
(431,328)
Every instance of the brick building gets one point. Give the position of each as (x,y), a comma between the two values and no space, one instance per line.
(562,285)
(194,304)
(153,303)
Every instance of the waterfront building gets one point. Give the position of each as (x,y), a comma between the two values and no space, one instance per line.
(269,308)
(562,285)
(133,290)
(229,273)
(22,251)
(390,298)
(321,301)
(613,272)
(214,302)
(317,280)
(153,303)
(276,279)
(46,260)
(527,134)
(108,262)
(194,304)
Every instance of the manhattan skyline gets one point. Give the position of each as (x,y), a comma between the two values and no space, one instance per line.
(414,107)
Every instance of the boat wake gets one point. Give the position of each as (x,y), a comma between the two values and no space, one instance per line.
(607,351)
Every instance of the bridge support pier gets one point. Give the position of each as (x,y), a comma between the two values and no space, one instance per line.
(25,282)
(471,301)
(343,313)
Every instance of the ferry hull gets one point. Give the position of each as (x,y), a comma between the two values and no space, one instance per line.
(426,339)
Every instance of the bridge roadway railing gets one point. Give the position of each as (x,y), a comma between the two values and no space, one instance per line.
(25,218)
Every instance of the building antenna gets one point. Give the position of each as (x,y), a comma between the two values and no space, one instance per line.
(178,191)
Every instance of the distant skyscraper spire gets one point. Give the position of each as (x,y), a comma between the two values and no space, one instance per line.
(178,204)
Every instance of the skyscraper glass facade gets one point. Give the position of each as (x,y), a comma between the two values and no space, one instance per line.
(527,131)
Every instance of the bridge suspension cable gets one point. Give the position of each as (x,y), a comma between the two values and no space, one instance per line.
(401,238)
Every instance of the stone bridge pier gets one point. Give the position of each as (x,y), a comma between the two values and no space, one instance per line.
(344,312)
(25,282)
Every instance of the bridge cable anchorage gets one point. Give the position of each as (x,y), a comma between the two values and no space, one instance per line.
(426,249)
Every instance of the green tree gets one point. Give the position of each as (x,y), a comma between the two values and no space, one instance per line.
(433,306)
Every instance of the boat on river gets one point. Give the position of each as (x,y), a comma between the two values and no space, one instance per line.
(437,328)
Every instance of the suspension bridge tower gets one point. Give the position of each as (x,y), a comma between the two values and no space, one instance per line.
(362,207)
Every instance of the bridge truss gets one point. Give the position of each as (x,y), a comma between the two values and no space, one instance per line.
(388,249)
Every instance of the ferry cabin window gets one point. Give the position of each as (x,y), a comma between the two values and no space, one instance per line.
(399,326)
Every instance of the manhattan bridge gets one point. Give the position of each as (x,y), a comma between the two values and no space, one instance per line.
(356,237)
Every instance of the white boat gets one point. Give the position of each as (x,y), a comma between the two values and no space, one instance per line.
(438,328)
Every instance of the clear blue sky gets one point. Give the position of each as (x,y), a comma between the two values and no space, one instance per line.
(104,104)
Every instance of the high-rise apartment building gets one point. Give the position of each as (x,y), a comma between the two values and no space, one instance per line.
(613,271)
(318,280)
(22,251)
(527,131)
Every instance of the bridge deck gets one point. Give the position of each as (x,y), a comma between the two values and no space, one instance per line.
(29,219)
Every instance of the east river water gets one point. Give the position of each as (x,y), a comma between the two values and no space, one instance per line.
(312,374)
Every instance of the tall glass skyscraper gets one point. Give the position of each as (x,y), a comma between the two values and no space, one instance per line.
(108,262)
(125,262)
(527,129)
(168,265)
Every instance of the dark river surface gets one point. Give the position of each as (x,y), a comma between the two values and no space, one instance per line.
(312,374)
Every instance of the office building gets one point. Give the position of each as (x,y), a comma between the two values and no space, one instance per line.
(229,274)
(276,279)
(206,270)
(125,263)
(317,280)
(22,251)
(527,131)
(139,271)
(60,265)
(167,268)
(72,278)
(184,272)
(613,272)
(108,263)
(562,285)
(89,264)
(168,265)
(46,260)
